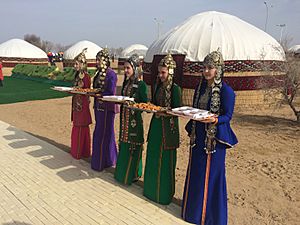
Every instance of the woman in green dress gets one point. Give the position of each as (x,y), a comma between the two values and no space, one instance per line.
(129,163)
(163,137)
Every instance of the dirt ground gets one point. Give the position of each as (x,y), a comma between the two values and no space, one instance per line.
(262,170)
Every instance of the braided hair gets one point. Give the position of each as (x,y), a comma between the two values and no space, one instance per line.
(131,84)
(99,79)
(170,63)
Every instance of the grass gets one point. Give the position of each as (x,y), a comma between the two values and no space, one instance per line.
(19,90)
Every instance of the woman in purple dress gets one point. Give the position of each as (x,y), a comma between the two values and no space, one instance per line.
(104,153)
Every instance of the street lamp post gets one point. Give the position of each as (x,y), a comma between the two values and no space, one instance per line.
(281,31)
(159,23)
(267,16)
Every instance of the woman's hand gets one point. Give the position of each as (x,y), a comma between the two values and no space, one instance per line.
(97,95)
(213,119)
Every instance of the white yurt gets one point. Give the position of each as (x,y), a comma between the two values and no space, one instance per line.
(295,49)
(248,52)
(17,51)
(74,50)
(138,49)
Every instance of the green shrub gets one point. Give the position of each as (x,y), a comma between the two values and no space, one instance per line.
(33,70)
(91,72)
(48,72)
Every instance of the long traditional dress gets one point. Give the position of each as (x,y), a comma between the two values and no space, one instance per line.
(81,117)
(1,75)
(129,164)
(104,153)
(205,194)
(163,139)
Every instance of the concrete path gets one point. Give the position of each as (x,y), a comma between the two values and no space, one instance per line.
(42,184)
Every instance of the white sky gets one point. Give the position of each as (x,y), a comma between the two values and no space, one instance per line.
(120,23)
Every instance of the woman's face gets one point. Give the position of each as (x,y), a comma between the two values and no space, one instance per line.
(98,63)
(77,66)
(209,72)
(163,73)
(128,69)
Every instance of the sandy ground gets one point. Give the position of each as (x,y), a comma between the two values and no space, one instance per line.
(262,170)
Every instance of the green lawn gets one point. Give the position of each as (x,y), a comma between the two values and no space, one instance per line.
(19,90)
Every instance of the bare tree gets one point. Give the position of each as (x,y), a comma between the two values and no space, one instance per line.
(290,87)
(286,85)
(60,47)
(116,51)
(36,41)
(45,44)
(33,39)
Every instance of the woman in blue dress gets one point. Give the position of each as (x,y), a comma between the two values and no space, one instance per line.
(205,194)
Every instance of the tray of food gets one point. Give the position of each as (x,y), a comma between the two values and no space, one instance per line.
(73,90)
(84,91)
(63,89)
(182,110)
(147,107)
(117,99)
(191,113)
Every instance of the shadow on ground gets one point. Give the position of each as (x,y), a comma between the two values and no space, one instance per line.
(50,155)
(16,222)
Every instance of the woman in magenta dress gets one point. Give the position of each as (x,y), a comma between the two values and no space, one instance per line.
(104,153)
(81,116)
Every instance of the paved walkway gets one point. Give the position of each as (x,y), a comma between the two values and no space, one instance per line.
(41,184)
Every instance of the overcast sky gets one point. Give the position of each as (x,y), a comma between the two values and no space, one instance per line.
(120,23)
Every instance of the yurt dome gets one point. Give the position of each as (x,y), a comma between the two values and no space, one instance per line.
(138,49)
(250,55)
(17,51)
(74,50)
(17,48)
(208,31)
(295,49)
